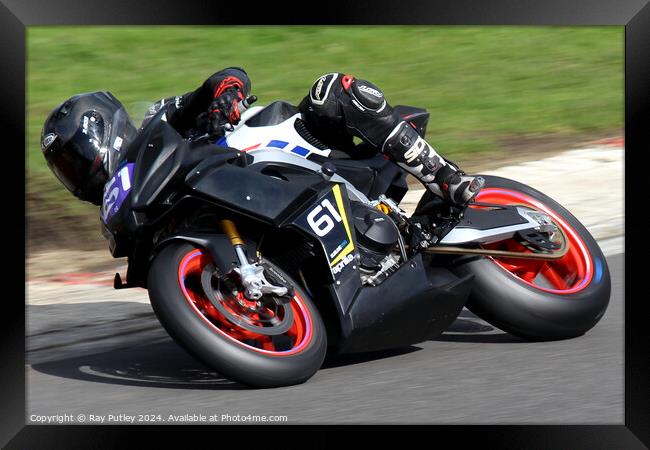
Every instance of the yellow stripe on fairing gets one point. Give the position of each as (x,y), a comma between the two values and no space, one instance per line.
(341,207)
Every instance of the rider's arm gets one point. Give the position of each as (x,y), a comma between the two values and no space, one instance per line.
(182,115)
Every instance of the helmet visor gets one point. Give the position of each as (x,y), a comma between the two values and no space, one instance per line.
(69,169)
(81,157)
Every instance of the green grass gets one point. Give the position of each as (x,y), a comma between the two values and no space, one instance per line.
(481,84)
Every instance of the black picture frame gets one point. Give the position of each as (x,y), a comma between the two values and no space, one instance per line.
(16,15)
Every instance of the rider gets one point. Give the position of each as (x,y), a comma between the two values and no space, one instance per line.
(337,108)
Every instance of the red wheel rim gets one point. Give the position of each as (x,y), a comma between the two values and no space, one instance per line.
(567,275)
(299,335)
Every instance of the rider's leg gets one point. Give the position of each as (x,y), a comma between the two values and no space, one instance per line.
(341,101)
(416,156)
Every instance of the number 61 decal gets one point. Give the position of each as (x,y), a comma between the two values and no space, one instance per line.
(323,223)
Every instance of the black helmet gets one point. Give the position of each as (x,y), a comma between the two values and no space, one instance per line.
(79,141)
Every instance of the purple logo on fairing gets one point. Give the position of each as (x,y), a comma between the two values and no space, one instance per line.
(115,191)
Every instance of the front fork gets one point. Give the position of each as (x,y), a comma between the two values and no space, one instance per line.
(252,275)
(230,229)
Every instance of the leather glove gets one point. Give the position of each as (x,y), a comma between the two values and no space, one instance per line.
(225,109)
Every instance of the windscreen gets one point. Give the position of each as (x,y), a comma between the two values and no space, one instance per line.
(121,134)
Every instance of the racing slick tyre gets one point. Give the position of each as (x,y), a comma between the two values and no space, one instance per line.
(538,299)
(260,344)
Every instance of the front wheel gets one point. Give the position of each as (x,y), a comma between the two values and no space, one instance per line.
(539,299)
(260,344)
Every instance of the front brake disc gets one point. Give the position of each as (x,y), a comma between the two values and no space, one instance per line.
(271,324)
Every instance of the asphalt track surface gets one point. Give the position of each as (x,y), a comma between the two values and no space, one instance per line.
(472,374)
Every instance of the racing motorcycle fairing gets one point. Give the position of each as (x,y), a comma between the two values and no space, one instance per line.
(273,114)
(259,196)
(275,131)
(328,221)
(163,159)
(416,303)
(373,176)
(218,245)
(417,117)
(156,166)
(146,183)
(285,196)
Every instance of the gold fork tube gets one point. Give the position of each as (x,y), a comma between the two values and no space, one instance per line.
(229,228)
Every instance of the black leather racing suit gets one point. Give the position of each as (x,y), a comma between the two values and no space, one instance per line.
(337,108)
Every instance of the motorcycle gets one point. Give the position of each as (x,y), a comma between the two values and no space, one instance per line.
(266,251)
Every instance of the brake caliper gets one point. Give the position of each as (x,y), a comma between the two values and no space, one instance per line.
(259,279)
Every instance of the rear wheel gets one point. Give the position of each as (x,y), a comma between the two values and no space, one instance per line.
(261,344)
(539,299)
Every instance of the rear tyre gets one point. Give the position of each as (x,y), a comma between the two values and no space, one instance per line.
(239,353)
(539,300)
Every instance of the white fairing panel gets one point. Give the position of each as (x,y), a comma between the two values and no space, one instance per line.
(282,136)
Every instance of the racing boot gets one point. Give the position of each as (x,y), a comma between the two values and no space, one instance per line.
(405,146)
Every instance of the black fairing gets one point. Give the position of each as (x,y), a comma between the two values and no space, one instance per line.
(163,159)
(414,304)
(273,114)
(218,245)
(160,151)
(373,176)
(288,172)
(415,116)
(258,195)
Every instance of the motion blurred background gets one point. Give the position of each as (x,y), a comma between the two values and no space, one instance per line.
(494,93)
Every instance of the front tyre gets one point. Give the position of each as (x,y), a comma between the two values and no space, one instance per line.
(535,299)
(237,352)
